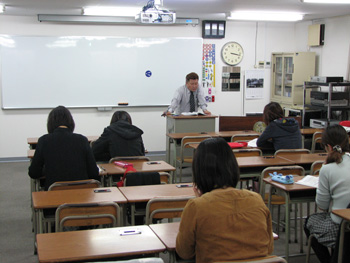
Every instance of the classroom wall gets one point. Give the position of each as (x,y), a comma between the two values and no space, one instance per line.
(257,39)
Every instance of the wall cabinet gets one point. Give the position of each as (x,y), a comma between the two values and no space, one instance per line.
(289,71)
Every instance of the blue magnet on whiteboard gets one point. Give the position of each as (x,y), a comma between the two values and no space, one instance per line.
(148,73)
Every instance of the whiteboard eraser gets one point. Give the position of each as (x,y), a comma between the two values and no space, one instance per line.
(123,103)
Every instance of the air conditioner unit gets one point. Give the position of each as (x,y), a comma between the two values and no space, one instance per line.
(156,17)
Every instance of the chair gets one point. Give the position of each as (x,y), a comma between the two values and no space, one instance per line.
(80,184)
(282,152)
(316,139)
(243,137)
(185,144)
(246,152)
(316,167)
(73,215)
(267,259)
(134,179)
(165,178)
(124,158)
(48,216)
(165,207)
(277,199)
(339,254)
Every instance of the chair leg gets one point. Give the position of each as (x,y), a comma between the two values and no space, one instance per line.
(295,223)
(308,249)
(278,219)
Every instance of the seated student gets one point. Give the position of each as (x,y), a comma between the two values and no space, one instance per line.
(120,138)
(62,155)
(223,223)
(281,132)
(332,192)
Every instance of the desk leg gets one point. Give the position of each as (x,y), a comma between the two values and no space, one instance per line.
(286,195)
(132,214)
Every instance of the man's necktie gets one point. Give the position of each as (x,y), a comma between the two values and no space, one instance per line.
(192,106)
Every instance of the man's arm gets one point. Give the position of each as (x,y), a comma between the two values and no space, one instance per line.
(175,102)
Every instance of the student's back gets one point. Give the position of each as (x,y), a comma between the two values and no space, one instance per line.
(62,155)
(120,138)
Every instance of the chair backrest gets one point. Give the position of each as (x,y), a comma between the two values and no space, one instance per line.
(68,185)
(284,170)
(138,178)
(282,152)
(128,158)
(246,152)
(193,139)
(316,138)
(87,215)
(165,207)
(316,167)
(165,178)
(243,137)
(267,259)
(187,140)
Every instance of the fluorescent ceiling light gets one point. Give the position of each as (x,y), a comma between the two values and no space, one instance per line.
(111,11)
(265,16)
(326,1)
(2,8)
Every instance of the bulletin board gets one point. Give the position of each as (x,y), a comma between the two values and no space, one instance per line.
(94,71)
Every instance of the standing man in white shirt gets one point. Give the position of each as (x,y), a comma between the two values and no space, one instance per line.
(188,98)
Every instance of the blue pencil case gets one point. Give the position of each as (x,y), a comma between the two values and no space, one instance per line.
(283,179)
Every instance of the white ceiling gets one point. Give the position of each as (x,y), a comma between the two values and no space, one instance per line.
(203,9)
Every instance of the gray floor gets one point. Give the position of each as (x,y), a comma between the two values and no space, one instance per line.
(15,218)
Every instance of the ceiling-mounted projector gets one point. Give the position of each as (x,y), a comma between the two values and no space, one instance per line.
(156,16)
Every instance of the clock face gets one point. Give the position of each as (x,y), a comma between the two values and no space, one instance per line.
(232,53)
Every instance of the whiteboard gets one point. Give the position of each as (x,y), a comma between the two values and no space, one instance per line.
(93,71)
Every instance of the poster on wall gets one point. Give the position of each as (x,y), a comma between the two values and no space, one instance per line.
(208,74)
(254,84)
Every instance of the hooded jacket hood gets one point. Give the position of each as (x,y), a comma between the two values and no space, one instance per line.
(288,124)
(125,130)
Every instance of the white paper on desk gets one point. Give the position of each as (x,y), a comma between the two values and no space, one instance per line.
(191,113)
(309,180)
(252,143)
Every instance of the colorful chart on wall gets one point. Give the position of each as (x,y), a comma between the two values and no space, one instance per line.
(208,74)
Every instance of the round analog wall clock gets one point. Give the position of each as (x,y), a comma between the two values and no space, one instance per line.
(232,53)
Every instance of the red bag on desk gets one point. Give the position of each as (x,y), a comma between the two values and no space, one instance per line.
(237,144)
(127,170)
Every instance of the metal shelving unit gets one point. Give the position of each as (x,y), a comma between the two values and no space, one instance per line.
(329,108)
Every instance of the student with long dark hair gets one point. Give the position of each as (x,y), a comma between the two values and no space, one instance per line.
(332,192)
(223,223)
(120,138)
(281,132)
(62,155)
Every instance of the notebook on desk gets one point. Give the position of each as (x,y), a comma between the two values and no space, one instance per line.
(192,114)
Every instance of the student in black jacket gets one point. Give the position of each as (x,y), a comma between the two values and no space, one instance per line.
(281,132)
(62,155)
(120,138)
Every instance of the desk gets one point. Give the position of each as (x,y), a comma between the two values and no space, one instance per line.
(167,233)
(144,193)
(293,193)
(305,158)
(175,139)
(262,161)
(96,244)
(33,141)
(345,215)
(53,199)
(139,165)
